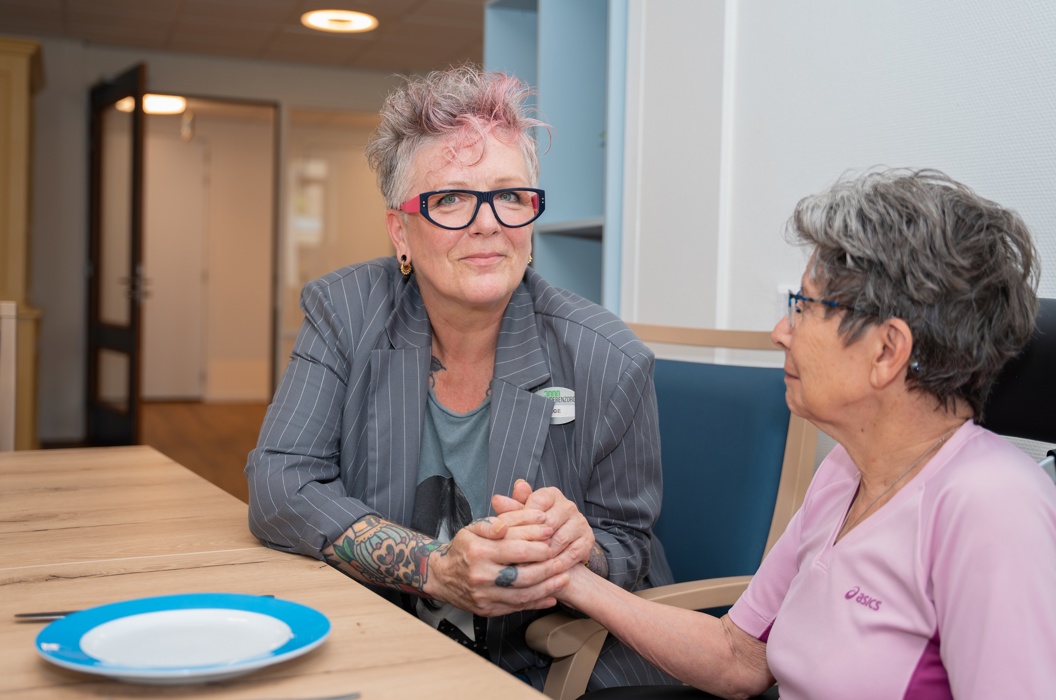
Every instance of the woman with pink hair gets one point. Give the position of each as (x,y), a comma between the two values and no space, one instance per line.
(422,384)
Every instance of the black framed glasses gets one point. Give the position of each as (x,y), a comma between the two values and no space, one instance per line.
(797,298)
(514,207)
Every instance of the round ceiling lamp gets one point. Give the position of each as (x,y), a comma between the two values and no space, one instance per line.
(339,21)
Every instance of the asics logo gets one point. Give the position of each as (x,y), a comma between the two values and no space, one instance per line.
(857,596)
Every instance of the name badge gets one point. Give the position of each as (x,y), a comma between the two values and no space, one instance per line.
(564,404)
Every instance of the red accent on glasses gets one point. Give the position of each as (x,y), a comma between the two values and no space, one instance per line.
(412,205)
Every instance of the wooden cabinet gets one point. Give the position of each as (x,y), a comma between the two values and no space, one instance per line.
(20,76)
(561,48)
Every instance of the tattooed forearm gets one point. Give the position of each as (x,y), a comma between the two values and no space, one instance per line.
(435,366)
(384,554)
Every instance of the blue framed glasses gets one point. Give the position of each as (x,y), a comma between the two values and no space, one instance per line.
(514,207)
(795,299)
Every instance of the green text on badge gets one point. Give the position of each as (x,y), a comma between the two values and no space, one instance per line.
(564,410)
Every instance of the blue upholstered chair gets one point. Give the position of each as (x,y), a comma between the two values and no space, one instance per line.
(736,465)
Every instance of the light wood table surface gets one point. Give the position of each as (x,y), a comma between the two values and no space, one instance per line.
(86,527)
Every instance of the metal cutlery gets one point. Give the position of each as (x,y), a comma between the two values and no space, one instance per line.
(42,616)
(47,616)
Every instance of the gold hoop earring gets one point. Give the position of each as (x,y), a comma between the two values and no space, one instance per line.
(405,267)
(529,258)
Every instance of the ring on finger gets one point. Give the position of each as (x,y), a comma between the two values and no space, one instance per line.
(507,576)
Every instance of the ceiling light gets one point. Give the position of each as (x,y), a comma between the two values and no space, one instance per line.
(339,21)
(154,104)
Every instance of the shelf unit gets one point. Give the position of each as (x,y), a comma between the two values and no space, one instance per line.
(561,48)
(21,75)
(591,228)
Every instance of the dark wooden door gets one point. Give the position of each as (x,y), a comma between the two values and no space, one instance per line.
(115,274)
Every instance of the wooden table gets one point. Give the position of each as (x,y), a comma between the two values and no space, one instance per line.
(91,526)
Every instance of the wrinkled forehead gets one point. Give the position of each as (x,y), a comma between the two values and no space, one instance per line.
(447,156)
(456,150)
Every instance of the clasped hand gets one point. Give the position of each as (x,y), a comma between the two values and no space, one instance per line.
(518,559)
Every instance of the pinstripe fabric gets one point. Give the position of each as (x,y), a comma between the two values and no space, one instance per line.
(341,438)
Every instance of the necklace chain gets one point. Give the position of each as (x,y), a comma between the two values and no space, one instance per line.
(848,525)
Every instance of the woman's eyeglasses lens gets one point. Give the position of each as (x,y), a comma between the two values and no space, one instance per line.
(796,299)
(455,209)
(793,308)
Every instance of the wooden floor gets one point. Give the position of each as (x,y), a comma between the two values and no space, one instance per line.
(210,439)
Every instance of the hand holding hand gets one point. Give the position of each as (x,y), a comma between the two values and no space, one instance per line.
(499,565)
(572,541)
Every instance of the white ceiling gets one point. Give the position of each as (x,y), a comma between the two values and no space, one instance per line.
(413,36)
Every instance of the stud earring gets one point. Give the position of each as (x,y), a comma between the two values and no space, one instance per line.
(405,267)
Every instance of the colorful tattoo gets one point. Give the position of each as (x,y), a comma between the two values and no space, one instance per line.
(384,554)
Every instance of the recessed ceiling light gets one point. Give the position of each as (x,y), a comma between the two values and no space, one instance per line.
(154,104)
(339,21)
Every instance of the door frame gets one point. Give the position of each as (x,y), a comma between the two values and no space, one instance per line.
(110,422)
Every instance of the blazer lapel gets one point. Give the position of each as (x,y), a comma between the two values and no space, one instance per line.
(519,417)
(400,368)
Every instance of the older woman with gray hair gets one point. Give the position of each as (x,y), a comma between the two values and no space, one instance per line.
(922,563)
(421,384)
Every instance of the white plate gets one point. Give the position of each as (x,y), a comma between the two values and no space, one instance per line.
(192,638)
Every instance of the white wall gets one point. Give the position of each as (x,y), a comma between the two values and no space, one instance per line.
(672,162)
(59,210)
(740,108)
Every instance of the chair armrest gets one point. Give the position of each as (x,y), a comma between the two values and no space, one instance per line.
(559,634)
(699,595)
(575,643)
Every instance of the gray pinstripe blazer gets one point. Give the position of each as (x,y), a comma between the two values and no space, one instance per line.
(341,438)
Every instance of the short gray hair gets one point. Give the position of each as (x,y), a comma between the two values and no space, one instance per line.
(917,245)
(465,103)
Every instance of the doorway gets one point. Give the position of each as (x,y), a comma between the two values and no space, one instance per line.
(202,276)
(209,260)
(208,237)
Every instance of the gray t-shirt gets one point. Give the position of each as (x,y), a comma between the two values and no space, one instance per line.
(452,479)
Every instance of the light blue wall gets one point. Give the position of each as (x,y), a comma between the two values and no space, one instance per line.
(572,73)
(560,47)
(510,35)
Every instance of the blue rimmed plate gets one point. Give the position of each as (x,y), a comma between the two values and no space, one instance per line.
(192,638)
